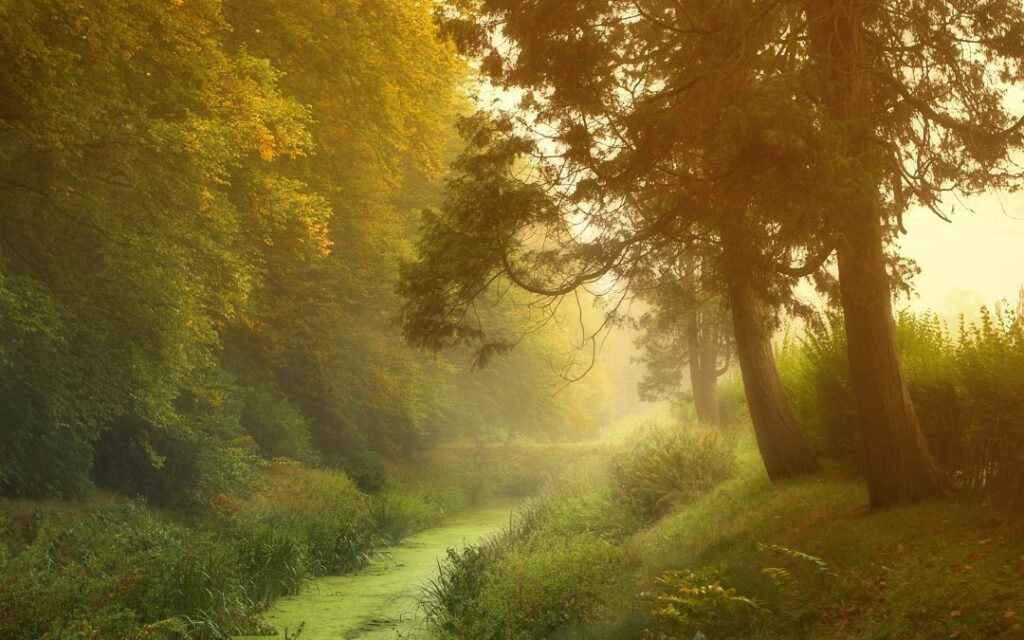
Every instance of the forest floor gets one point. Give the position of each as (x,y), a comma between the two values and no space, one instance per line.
(816,563)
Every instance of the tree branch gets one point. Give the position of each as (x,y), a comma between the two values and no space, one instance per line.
(583,278)
(813,263)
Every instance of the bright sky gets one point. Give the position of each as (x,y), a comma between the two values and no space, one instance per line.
(976,259)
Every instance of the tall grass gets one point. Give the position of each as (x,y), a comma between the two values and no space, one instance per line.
(967,390)
(668,465)
(123,569)
(114,568)
(553,564)
(990,375)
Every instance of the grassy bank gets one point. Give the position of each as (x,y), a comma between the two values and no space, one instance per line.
(110,567)
(745,559)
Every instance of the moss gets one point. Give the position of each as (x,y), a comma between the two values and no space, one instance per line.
(382,600)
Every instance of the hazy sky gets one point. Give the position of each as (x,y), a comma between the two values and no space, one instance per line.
(978,258)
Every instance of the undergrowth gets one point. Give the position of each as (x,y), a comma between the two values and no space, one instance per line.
(739,558)
(116,568)
(552,566)
(756,560)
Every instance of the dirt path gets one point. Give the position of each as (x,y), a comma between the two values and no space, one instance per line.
(381,601)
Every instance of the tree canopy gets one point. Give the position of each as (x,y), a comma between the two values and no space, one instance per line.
(205,205)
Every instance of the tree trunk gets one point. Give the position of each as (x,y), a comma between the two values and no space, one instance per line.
(898,462)
(783,448)
(703,374)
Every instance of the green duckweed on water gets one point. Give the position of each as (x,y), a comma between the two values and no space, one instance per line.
(382,600)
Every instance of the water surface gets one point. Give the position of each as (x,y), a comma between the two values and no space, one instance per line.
(382,601)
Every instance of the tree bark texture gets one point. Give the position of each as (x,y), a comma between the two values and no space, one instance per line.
(783,447)
(898,463)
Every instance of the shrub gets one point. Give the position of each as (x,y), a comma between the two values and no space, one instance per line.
(967,394)
(303,522)
(406,508)
(990,368)
(122,570)
(816,375)
(530,593)
(39,456)
(278,428)
(290,488)
(110,572)
(520,585)
(172,468)
(453,602)
(666,466)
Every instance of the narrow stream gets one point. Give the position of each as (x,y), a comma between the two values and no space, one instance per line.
(382,601)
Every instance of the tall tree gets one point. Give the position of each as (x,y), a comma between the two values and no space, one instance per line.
(382,89)
(127,132)
(685,332)
(640,131)
(914,97)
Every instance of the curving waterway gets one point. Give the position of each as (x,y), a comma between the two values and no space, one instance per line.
(382,601)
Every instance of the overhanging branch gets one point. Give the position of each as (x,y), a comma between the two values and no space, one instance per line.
(813,263)
(583,278)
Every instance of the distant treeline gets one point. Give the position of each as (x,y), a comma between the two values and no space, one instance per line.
(204,209)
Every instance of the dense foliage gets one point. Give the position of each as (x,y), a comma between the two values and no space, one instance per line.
(966,389)
(205,207)
(117,568)
(124,570)
(664,467)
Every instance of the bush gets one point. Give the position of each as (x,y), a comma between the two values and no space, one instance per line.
(122,570)
(115,570)
(990,369)
(532,592)
(464,600)
(452,602)
(303,522)
(967,394)
(666,466)
(525,582)
(172,468)
(816,375)
(39,457)
(406,508)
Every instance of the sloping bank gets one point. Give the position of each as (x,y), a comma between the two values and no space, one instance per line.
(657,545)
